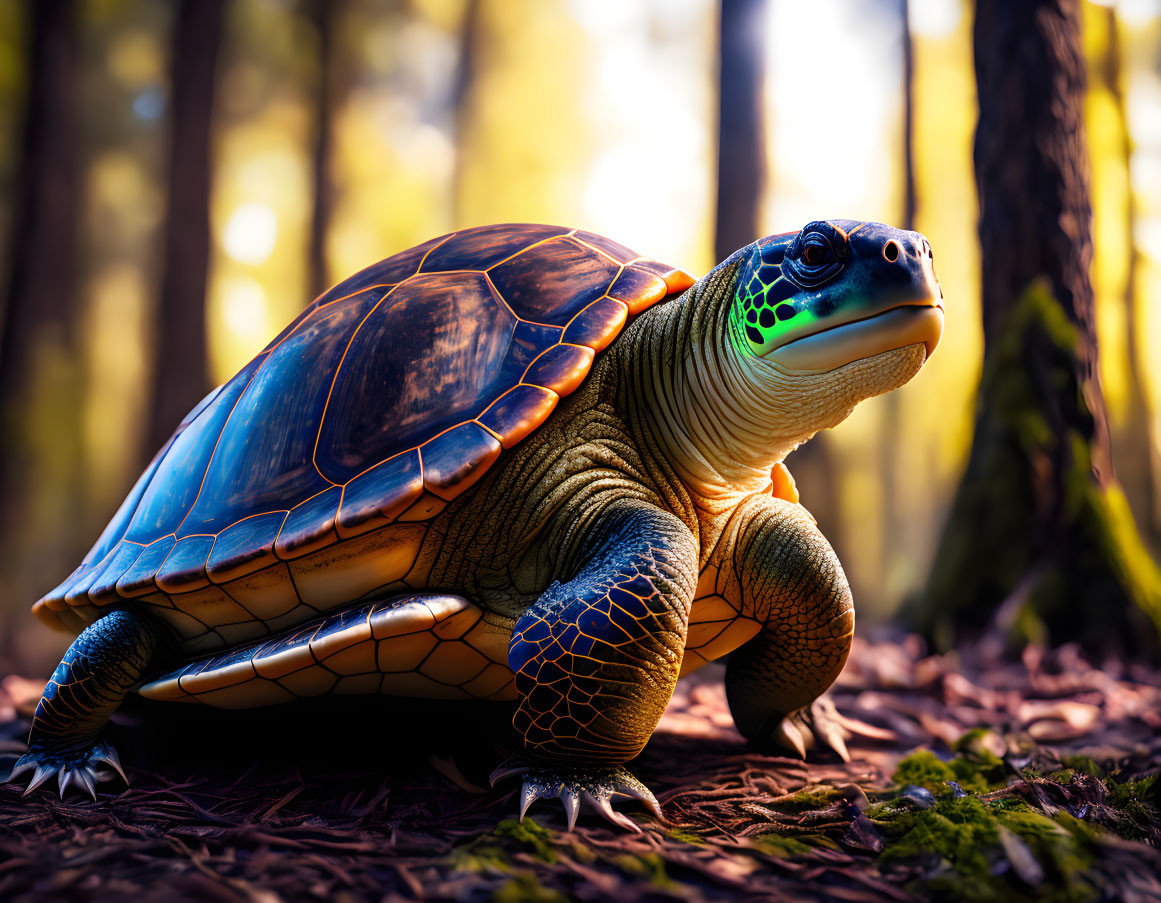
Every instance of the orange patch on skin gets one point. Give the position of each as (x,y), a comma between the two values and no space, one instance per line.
(783,484)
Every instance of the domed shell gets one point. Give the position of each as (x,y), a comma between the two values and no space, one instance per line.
(386,398)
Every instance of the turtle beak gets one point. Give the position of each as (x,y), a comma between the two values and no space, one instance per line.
(894,300)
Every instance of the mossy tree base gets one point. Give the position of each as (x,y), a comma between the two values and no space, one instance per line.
(1035,529)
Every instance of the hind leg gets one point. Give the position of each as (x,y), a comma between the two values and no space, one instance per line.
(98,669)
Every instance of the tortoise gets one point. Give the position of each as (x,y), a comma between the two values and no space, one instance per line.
(516,462)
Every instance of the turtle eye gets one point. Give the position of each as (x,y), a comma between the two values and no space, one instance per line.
(815,255)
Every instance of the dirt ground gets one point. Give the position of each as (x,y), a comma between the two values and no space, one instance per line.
(975,776)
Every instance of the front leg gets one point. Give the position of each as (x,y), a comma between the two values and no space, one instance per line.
(98,669)
(596,658)
(774,567)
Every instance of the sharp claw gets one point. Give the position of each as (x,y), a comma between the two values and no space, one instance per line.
(606,809)
(528,795)
(42,774)
(645,795)
(89,784)
(64,777)
(504,771)
(23,764)
(108,754)
(580,787)
(788,735)
(838,745)
(571,801)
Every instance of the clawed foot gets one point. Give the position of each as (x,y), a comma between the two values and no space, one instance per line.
(819,721)
(85,766)
(594,788)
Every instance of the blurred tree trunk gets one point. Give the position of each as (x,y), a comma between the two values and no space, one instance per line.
(461,101)
(1040,527)
(40,375)
(891,524)
(741,125)
(323,15)
(181,374)
(1136,462)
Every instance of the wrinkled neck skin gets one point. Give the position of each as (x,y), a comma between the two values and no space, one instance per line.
(721,417)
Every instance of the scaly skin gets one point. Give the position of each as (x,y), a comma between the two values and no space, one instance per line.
(100,667)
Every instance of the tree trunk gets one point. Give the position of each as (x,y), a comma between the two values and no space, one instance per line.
(1040,538)
(741,125)
(181,375)
(40,374)
(323,15)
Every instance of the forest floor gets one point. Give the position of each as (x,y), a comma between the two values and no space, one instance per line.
(974,776)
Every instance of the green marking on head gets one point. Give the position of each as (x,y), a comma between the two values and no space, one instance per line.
(762,312)
(813,300)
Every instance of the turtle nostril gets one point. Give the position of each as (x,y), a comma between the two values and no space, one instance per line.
(891,251)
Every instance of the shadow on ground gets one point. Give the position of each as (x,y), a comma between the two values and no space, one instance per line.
(973,777)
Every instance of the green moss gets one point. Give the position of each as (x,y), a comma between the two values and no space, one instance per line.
(810,800)
(650,866)
(965,831)
(492,852)
(524,888)
(1082,764)
(923,768)
(782,846)
(478,856)
(959,830)
(977,771)
(684,836)
(1137,804)
(535,840)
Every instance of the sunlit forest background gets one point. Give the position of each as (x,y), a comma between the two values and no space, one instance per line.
(340,133)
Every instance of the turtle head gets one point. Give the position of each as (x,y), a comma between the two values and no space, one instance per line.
(816,321)
(835,293)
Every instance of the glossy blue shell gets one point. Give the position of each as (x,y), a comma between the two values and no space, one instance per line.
(411,375)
